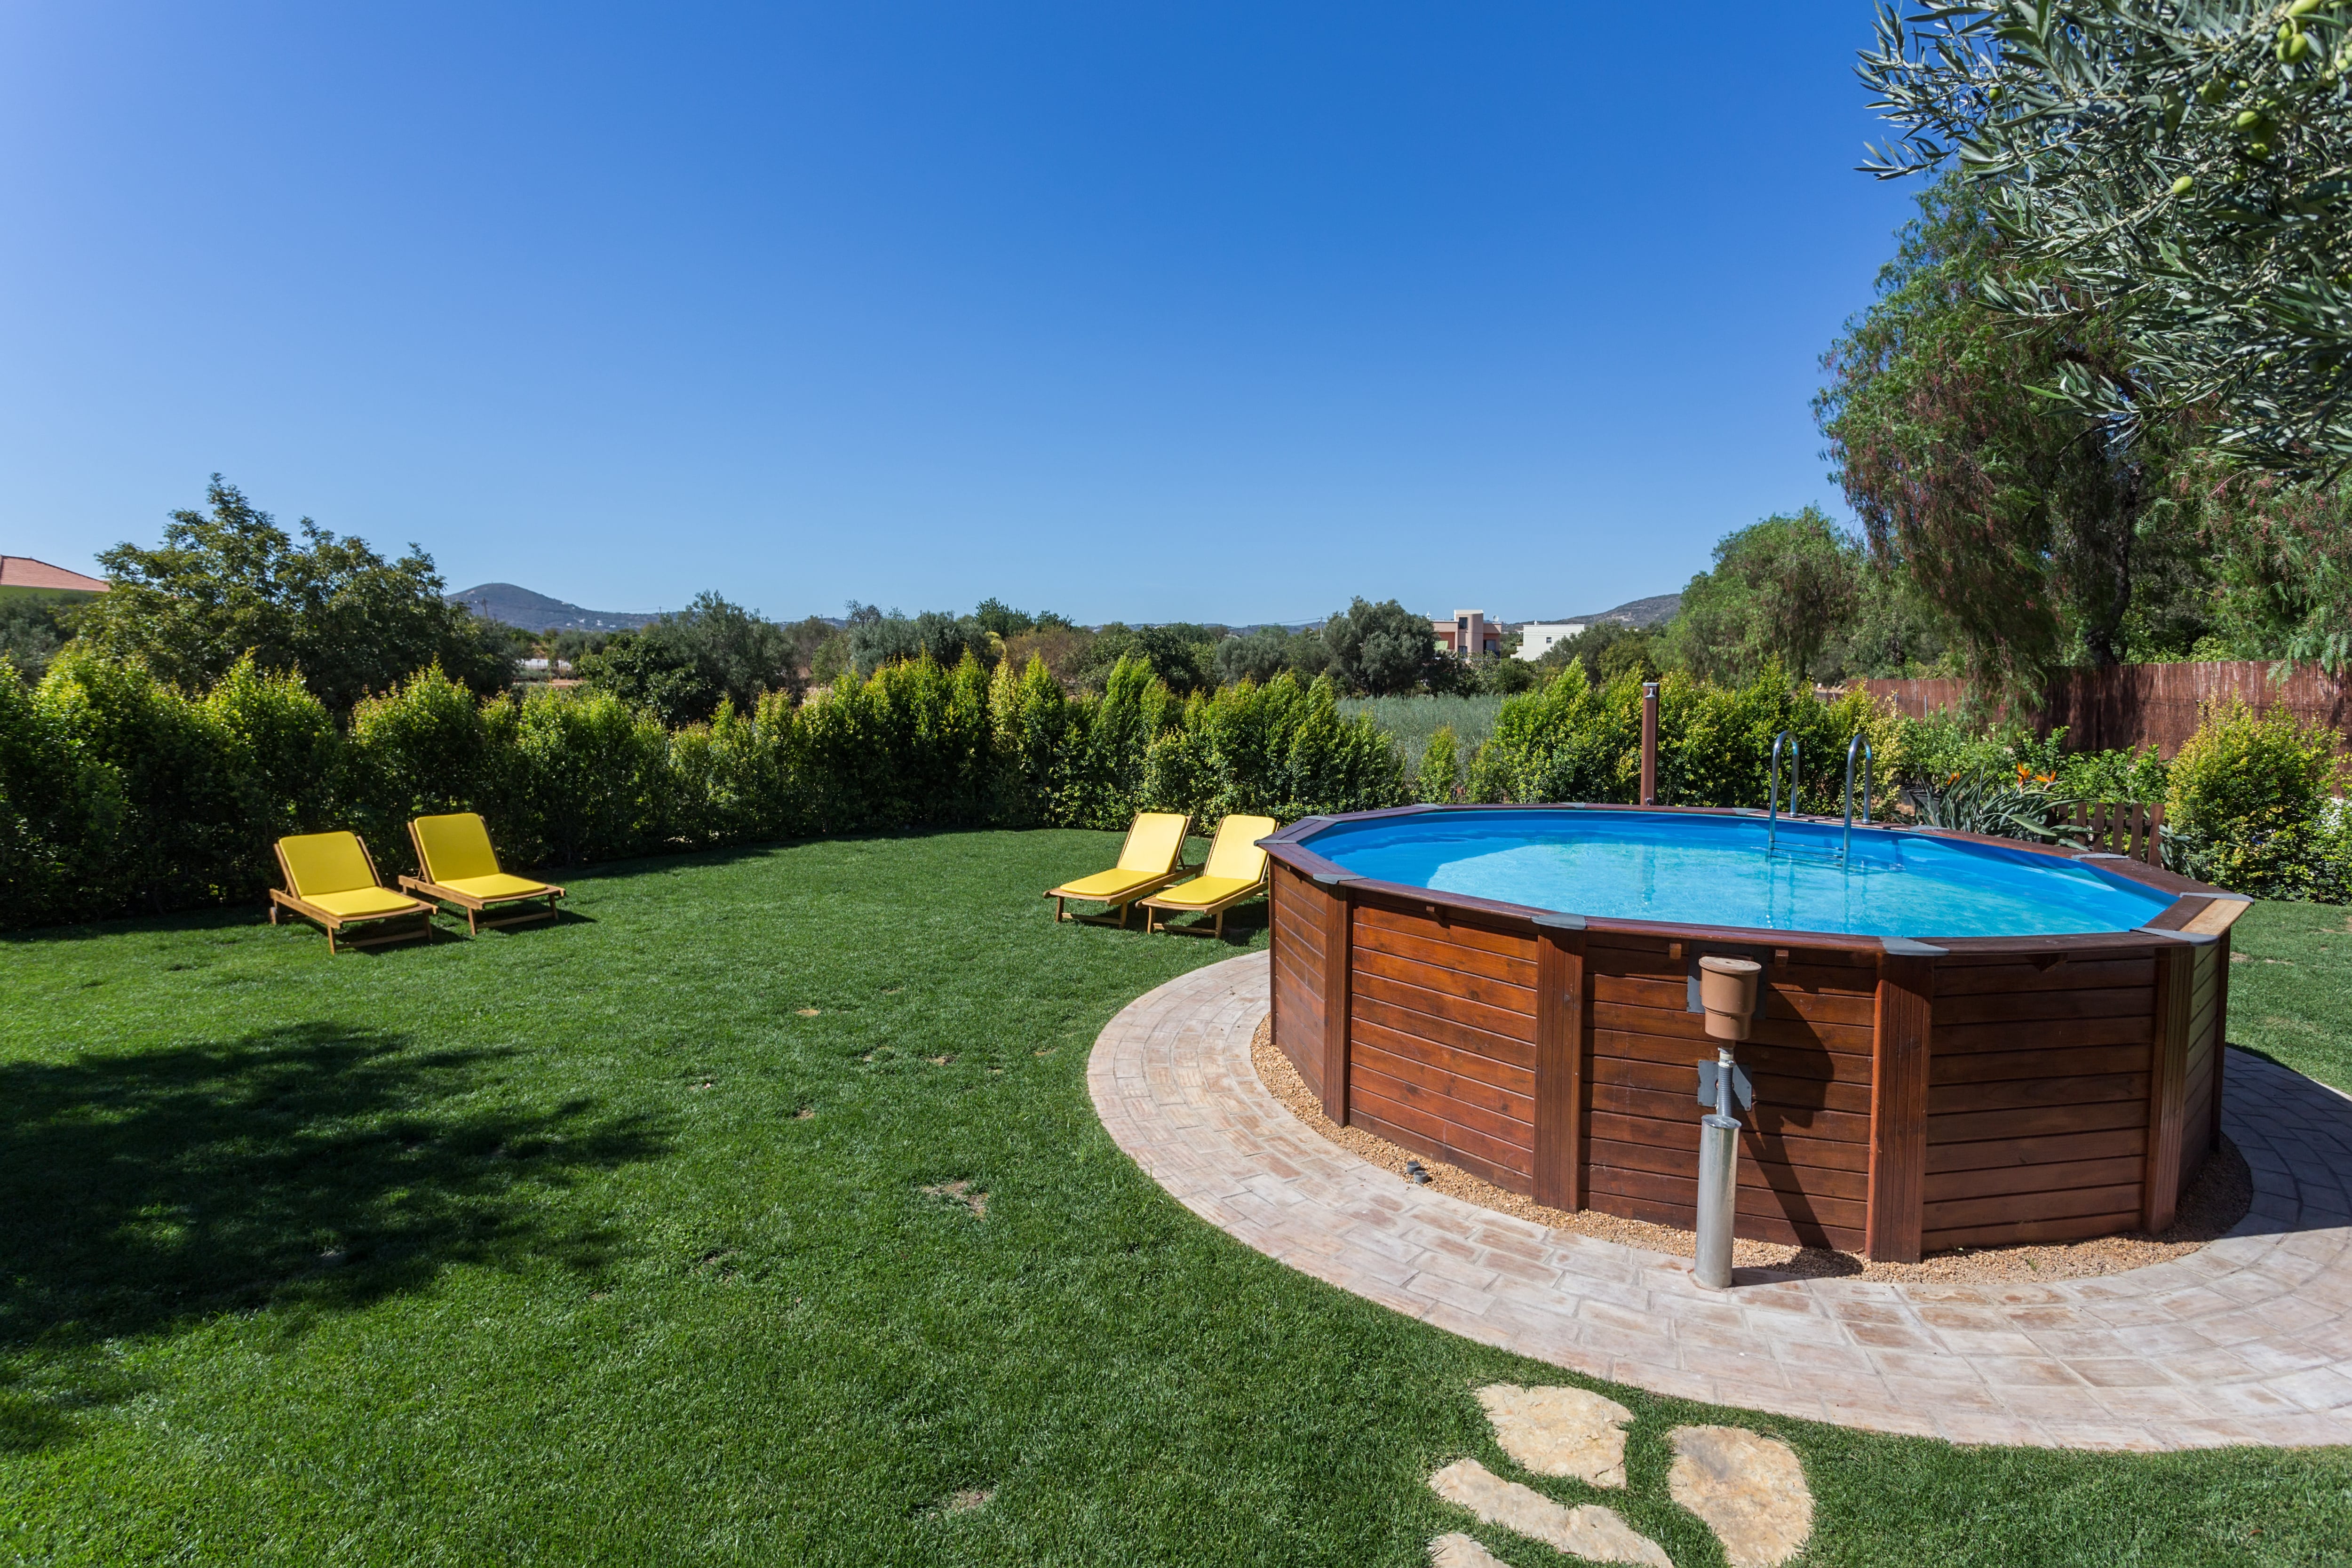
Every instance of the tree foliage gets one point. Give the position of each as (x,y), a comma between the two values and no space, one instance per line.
(2026,523)
(1781,590)
(1381,650)
(2173,168)
(229,582)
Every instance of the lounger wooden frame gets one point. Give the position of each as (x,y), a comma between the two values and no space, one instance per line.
(1124,897)
(477,908)
(333,924)
(1254,891)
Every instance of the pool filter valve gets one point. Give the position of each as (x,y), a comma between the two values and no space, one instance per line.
(1728,992)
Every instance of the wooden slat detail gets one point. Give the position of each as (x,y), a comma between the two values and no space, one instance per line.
(1898,1118)
(2018,1093)
(1365,1078)
(1759,1166)
(1758,1214)
(2121,1170)
(1501,1021)
(1955,1038)
(1608,1127)
(1971,1127)
(2104,1001)
(1469,1101)
(1374,911)
(1784,1003)
(1794,1033)
(1990,1154)
(1773,1089)
(1338,917)
(2011,1208)
(1427,1026)
(1991,1067)
(2220,951)
(1561,1068)
(1496,1162)
(1755,1228)
(2166,1103)
(1956,978)
(1424,948)
(1509,1077)
(2017,1233)
(1682,1105)
(1501,995)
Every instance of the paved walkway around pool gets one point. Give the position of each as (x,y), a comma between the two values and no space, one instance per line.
(2248,1341)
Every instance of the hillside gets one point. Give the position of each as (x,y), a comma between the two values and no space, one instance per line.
(537,613)
(1647,612)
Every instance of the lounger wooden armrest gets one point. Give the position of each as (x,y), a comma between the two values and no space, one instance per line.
(372,915)
(460,867)
(478,908)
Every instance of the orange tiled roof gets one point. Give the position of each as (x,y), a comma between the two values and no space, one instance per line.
(24,572)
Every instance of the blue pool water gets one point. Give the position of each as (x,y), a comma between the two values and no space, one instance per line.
(1714,870)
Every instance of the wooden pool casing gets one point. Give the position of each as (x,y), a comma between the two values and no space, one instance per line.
(1911,1095)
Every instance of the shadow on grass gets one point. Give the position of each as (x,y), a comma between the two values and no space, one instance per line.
(313,1168)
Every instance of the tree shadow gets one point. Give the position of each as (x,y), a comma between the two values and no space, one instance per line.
(308,1169)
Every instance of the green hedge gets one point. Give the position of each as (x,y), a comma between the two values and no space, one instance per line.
(1576,741)
(118,792)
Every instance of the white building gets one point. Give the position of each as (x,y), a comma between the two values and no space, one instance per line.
(1538,638)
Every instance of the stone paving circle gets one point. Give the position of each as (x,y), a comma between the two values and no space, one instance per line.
(2248,1341)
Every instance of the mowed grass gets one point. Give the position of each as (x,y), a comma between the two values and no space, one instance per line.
(609,1244)
(2290,988)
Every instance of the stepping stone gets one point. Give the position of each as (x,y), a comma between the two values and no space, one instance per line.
(1751,1489)
(1593,1532)
(1455,1549)
(1559,1431)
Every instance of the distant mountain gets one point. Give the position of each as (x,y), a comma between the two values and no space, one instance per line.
(1637,612)
(537,613)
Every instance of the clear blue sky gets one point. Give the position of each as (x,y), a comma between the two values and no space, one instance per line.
(1145,312)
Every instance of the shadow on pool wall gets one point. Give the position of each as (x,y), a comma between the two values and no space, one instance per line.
(1910,1095)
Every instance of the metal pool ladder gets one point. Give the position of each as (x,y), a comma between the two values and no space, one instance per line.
(1845,847)
(1772,788)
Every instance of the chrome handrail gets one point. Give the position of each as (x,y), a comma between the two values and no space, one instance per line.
(1845,849)
(1772,786)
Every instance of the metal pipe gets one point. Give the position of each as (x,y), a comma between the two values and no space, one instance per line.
(1718,1181)
(1772,786)
(1649,743)
(1863,740)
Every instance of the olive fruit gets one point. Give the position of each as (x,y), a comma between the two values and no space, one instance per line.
(2183,185)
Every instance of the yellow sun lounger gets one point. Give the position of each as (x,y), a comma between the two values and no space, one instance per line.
(1236,871)
(461,869)
(1146,861)
(330,878)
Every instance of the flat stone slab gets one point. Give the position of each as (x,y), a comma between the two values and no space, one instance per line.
(1591,1531)
(2248,1341)
(1749,1489)
(1559,1431)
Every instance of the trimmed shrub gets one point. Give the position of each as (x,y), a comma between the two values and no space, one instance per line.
(2249,807)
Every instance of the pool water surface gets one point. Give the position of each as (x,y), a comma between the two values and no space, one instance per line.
(1716,870)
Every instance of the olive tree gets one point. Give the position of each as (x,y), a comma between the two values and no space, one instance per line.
(2181,167)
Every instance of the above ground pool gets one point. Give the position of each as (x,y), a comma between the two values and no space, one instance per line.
(1958,1041)
(1704,870)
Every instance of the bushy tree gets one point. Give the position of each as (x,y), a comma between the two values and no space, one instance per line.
(2172,167)
(1781,589)
(2029,526)
(228,582)
(878,639)
(31,632)
(1267,651)
(1381,649)
(1181,653)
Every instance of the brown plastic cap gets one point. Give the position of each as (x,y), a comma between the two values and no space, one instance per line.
(1727,965)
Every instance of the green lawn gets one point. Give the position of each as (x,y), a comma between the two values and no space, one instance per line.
(587,1245)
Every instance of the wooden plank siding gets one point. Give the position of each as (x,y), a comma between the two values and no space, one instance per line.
(1804,1155)
(2039,1076)
(1441,1053)
(1296,936)
(1971,1092)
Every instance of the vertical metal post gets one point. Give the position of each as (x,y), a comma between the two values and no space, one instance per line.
(1649,743)
(1718,1180)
